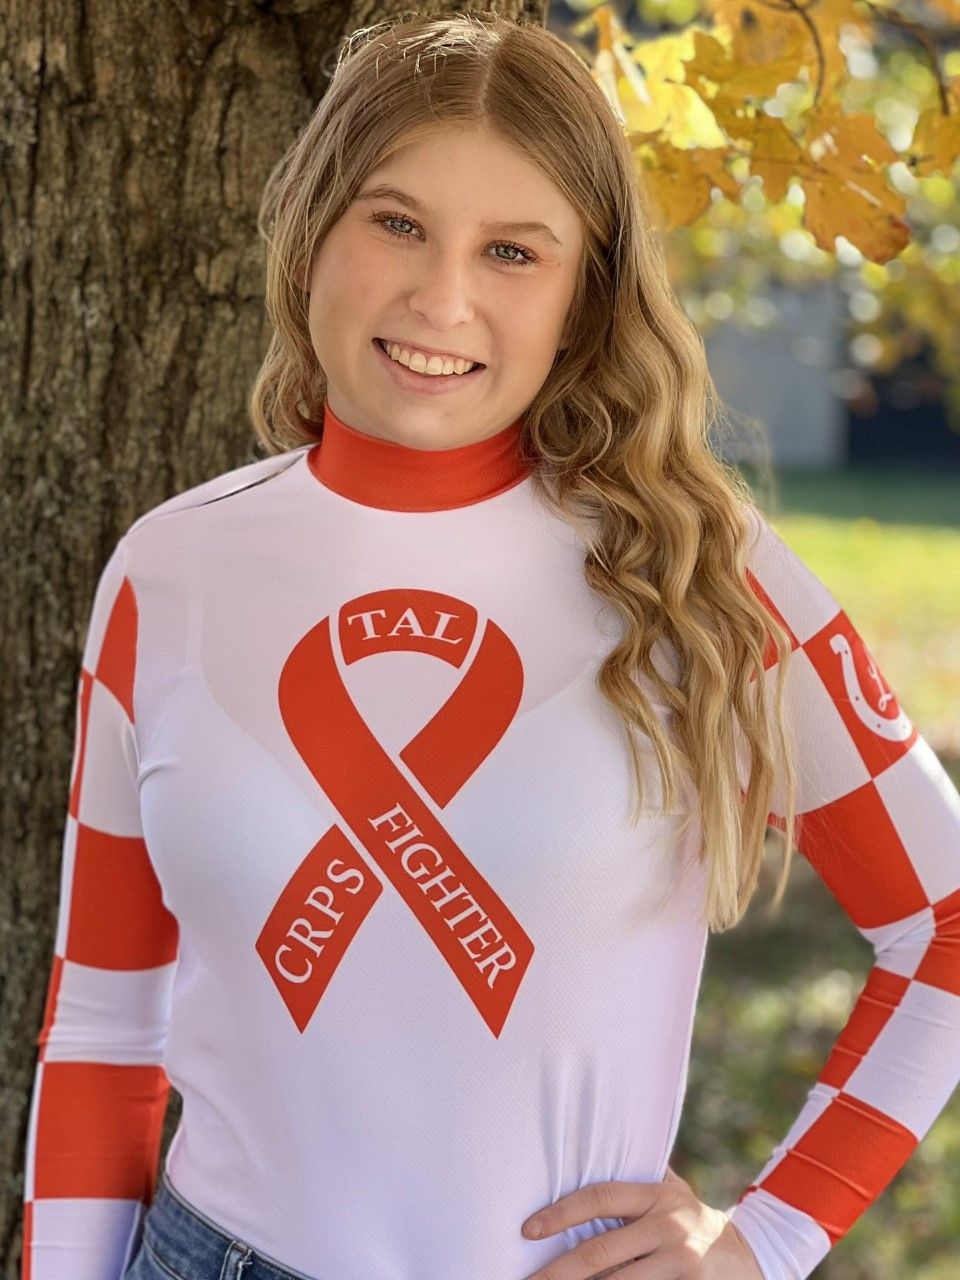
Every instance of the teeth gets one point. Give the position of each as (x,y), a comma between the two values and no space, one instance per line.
(433,366)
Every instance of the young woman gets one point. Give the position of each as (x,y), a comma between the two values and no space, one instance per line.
(416,761)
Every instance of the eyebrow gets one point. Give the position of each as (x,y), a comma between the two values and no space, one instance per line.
(384,192)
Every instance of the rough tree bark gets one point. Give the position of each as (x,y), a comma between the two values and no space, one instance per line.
(135,141)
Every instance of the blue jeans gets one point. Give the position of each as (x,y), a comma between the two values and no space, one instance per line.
(178,1242)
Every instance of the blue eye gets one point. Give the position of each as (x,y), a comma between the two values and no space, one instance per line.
(527,260)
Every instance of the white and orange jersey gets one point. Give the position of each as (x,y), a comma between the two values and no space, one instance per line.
(348,861)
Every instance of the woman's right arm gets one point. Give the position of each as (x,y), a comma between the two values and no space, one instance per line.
(100,1090)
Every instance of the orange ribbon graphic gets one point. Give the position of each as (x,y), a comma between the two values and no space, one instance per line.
(329,895)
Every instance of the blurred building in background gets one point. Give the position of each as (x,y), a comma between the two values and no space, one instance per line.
(797,379)
(785,376)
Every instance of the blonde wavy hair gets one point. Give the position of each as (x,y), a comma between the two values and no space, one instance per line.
(619,431)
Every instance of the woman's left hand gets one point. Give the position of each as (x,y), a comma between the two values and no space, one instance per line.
(668,1234)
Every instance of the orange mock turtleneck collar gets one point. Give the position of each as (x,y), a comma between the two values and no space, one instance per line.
(397,477)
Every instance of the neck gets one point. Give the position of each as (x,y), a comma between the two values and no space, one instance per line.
(398,477)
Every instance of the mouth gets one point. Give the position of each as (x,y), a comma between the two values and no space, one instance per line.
(477,364)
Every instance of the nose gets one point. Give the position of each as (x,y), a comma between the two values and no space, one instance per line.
(442,295)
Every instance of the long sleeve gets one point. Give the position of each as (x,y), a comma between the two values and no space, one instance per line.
(879,820)
(100,1089)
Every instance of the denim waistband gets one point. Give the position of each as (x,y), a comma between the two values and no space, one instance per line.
(191,1245)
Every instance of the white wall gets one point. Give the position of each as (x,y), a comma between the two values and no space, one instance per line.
(782,375)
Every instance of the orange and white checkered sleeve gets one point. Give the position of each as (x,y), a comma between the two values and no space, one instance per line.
(100,1090)
(879,820)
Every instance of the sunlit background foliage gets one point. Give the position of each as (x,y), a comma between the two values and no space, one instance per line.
(799,140)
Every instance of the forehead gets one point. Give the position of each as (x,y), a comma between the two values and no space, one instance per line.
(470,168)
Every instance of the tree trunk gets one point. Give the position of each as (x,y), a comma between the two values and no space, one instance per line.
(131,327)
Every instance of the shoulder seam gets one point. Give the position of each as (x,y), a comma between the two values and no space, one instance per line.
(157,512)
(253,483)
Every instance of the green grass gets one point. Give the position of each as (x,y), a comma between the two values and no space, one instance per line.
(894,495)
(777,992)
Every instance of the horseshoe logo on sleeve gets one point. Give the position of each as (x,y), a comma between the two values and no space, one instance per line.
(330,894)
(871,698)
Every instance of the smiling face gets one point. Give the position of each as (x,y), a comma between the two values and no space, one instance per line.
(439,272)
